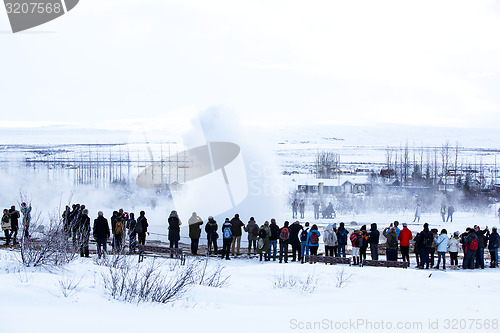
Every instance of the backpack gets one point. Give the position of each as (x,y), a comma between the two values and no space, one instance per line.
(473,244)
(255,231)
(353,238)
(262,233)
(342,236)
(313,238)
(303,235)
(227,233)
(118,227)
(285,234)
(138,226)
(394,242)
(428,240)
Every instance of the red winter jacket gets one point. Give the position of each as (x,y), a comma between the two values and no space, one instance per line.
(405,236)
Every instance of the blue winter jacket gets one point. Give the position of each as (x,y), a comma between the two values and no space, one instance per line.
(309,236)
(442,243)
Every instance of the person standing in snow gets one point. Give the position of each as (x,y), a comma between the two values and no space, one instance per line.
(330,240)
(418,211)
(494,244)
(26,211)
(373,239)
(302,208)
(295,229)
(211,230)
(14,223)
(363,245)
(174,230)
(101,234)
(442,246)
(391,246)
(304,249)
(284,237)
(342,239)
(6,225)
(451,210)
(141,228)
(443,211)
(132,235)
(453,247)
(425,244)
(316,205)
(295,207)
(471,246)
(355,248)
(253,232)
(313,240)
(263,243)
(433,249)
(194,224)
(237,232)
(482,240)
(84,233)
(273,240)
(404,237)
(227,238)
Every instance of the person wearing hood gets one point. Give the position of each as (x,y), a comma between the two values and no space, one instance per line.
(174,230)
(263,243)
(237,225)
(26,211)
(404,237)
(471,246)
(453,246)
(194,224)
(442,246)
(284,240)
(84,233)
(330,240)
(295,228)
(227,238)
(391,245)
(482,240)
(211,230)
(363,243)
(342,235)
(313,240)
(373,239)
(494,243)
(425,241)
(253,233)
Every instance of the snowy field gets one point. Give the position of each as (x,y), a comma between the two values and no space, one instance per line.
(259,295)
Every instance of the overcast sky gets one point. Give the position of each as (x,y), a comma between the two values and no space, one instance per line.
(341,62)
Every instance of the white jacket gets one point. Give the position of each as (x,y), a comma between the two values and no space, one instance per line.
(454,244)
(330,237)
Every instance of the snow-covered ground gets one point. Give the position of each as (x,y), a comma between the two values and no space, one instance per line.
(33,299)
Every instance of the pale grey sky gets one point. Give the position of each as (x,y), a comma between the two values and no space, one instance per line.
(342,62)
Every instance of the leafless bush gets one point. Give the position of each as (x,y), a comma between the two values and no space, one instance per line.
(342,278)
(47,248)
(139,283)
(23,276)
(214,277)
(292,281)
(69,286)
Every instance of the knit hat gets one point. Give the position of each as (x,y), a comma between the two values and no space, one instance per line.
(405,225)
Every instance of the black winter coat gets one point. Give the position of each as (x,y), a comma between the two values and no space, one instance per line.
(101,228)
(275,231)
(174,230)
(294,233)
(236,225)
(211,230)
(374,235)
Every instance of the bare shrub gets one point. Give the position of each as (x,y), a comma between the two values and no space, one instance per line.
(49,247)
(215,277)
(139,283)
(308,284)
(69,286)
(342,278)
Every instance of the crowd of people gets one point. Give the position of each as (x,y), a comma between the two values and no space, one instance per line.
(269,240)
